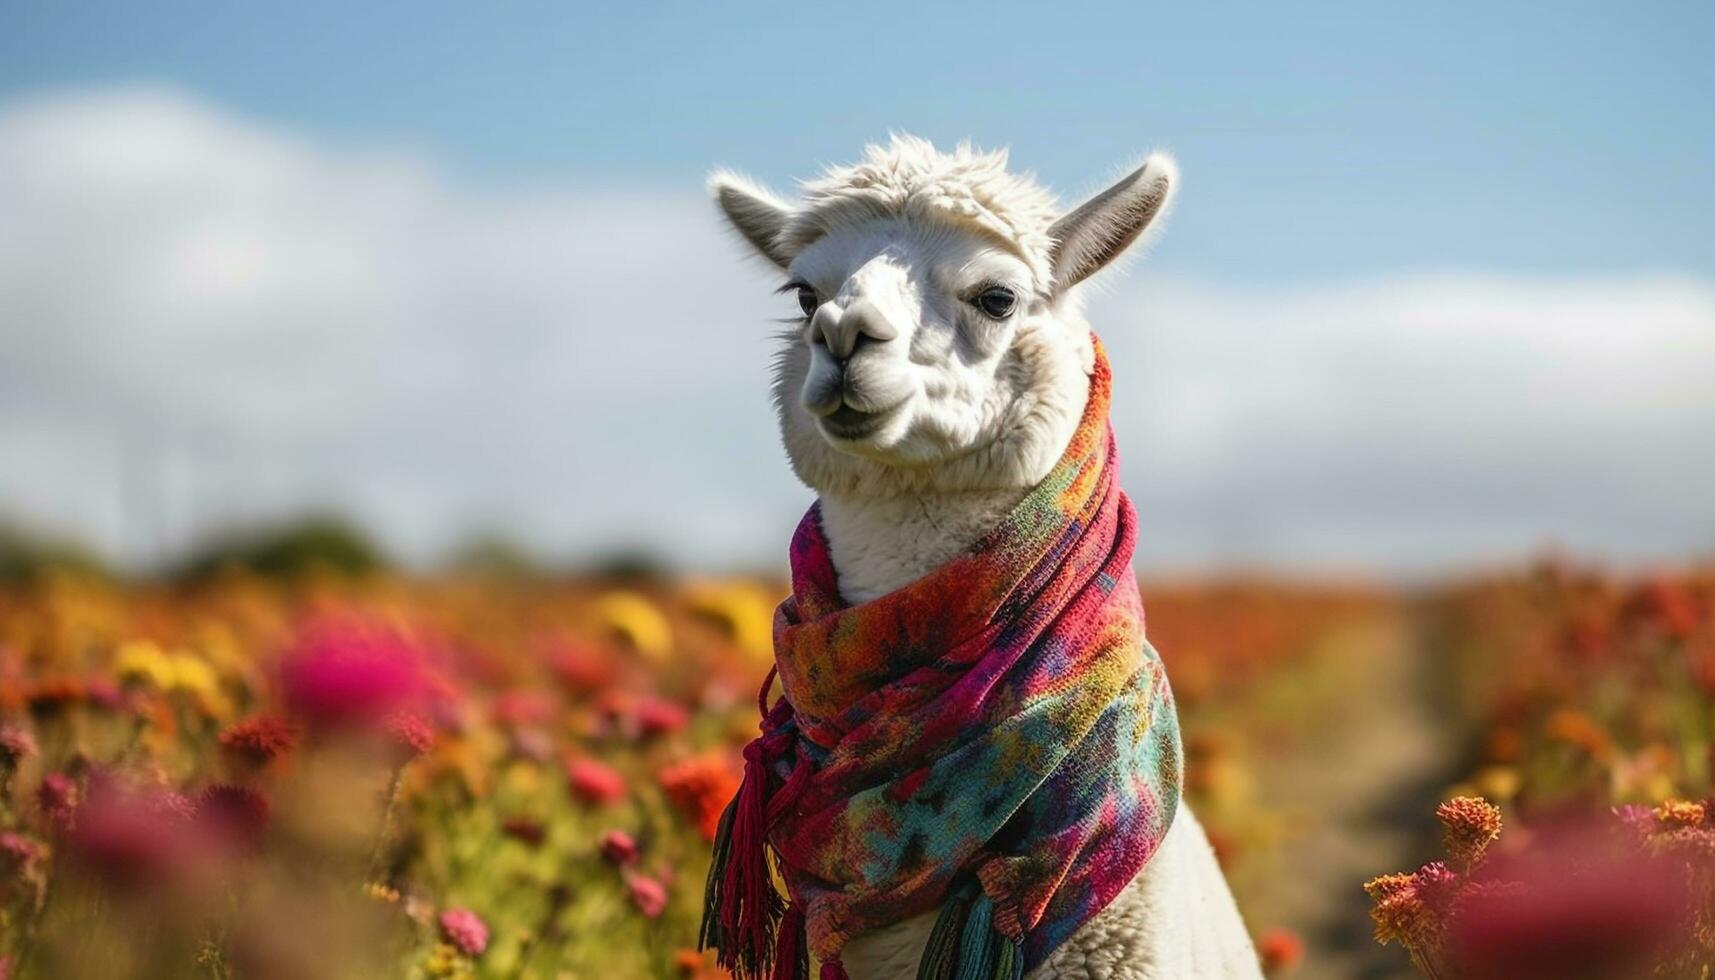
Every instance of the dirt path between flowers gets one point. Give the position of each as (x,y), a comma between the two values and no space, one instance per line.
(1356,798)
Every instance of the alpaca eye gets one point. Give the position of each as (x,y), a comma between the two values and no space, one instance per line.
(807,300)
(996,301)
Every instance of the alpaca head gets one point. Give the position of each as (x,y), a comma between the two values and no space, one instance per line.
(939,343)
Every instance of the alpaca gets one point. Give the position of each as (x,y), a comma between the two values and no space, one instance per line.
(936,374)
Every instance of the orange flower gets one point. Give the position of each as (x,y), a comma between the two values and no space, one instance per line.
(700,788)
(1469,824)
(1579,729)
(1281,951)
(1408,909)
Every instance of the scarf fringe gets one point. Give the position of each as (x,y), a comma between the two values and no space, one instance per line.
(964,945)
(792,950)
(742,910)
(741,906)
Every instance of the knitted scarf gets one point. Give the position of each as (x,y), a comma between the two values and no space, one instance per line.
(996,739)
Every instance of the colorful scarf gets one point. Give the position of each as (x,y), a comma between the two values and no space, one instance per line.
(996,739)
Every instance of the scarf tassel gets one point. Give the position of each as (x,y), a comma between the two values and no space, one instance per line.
(740,904)
(964,944)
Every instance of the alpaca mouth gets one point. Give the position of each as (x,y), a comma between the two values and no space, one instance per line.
(848,423)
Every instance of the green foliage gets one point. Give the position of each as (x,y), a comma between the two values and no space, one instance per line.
(311,545)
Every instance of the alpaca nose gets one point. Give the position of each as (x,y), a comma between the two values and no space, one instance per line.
(844,331)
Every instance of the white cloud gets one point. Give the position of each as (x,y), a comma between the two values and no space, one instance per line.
(204,320)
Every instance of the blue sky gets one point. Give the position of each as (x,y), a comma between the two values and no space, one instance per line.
(1325,140)
(1439,289)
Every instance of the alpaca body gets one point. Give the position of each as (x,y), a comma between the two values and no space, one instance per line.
(1176,921)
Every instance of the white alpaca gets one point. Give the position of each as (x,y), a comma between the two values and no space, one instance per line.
(938,372)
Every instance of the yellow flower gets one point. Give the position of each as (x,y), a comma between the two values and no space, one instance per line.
(198,681)
(445,963)
(1496,782)
(744,610)
(381,893)
(143,662)
(194,675)
(636,620)
(1678,814)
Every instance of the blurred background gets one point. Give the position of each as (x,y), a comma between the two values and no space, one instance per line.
(391,509)
(1439,289)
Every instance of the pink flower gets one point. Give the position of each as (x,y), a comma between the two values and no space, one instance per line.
(410,733)
(464,929)
(1570,906)
(344,673)
(18,852)
(533,744)
(594,783)
(103,693)
(618,848)
(58,798)
(16,745)
(234,814)
(133,838)
(657,716)
(648,894)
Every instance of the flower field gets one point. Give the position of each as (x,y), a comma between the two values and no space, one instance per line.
(493,776)
(1591,703)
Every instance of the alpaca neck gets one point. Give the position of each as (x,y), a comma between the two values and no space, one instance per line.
(880,542)
(879,545)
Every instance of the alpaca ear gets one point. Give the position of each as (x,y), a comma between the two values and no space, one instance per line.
(1104,226)
(757,215)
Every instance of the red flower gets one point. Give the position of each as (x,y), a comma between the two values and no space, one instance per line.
(524,829)
(657,716)
(594,783)
(618,848)
(466,930)
(514,709)
(648,894)
(700,788)
(1663,605)
(582,669)
(346,673)
(260,740)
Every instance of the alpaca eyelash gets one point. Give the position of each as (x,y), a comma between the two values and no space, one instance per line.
(987,284)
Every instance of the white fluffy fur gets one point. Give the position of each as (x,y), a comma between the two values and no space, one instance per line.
(920,421)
